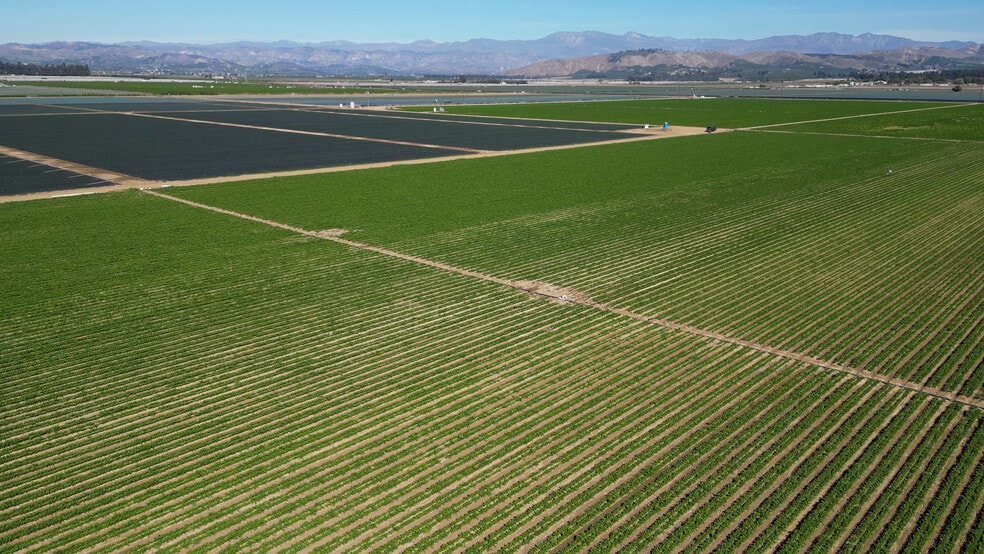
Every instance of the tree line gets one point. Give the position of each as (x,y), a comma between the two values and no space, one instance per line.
(60,70)
(943,76)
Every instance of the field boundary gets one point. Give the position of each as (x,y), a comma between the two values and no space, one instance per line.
(571,296)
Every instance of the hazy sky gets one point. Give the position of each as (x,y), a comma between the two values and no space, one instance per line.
(208,21)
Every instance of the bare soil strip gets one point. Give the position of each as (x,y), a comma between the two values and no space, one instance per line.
(574,297)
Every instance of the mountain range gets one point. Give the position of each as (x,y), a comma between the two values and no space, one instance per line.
(657,64)
(472,57)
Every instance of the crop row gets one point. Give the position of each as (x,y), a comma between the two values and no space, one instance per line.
(712,462)
(633,433)
(274,393)
(281,392)
(874,276)
(365,479)
(271,475)
(712,455)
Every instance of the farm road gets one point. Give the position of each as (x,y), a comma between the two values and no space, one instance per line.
(571,296)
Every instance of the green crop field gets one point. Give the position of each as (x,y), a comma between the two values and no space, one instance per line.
(949,122)
(766,342)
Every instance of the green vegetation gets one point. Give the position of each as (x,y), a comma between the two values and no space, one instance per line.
(686,180)
(950,122)
(181,379)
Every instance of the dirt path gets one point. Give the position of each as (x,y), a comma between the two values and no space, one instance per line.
(572,296)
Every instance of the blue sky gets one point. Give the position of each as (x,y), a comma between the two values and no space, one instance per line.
(208,21)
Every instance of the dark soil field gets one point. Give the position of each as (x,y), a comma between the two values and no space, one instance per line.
(162,149)
(19,176)
(181,140)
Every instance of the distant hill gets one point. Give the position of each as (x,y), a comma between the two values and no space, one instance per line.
(664,64)
(477,56)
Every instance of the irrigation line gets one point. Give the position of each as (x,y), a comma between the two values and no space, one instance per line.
(571,296)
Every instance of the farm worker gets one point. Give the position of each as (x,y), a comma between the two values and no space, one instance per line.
(666,125)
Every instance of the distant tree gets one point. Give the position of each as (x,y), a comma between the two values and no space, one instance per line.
(60,70)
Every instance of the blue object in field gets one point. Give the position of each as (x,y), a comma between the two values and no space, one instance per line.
(666,125)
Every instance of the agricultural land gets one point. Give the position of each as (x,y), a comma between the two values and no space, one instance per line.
(512,328)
